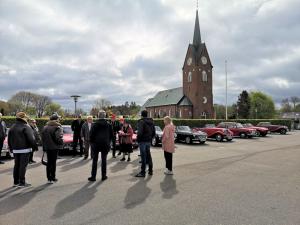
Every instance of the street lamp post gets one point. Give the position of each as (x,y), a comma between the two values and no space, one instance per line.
(75,98)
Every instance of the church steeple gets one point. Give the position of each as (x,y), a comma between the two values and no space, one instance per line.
(197,35)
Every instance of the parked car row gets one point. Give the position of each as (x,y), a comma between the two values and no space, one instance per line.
(223,131)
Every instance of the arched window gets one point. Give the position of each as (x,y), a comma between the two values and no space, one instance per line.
(190,77)
(204,76)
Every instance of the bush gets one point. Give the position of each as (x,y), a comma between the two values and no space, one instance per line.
(41,122)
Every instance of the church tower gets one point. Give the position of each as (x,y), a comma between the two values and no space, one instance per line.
(197,76)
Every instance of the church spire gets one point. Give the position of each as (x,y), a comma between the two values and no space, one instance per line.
(197,35)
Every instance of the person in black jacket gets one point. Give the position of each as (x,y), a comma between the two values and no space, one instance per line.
(32,124)
(146,131)
(116,126)
(2,135)
(76,128)
(101,135)
(52,137)
(21,141)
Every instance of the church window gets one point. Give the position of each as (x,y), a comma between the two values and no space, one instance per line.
(180,113)
(204,76)
(190,77)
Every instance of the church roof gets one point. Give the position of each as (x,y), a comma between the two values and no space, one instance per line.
(146,104)
(197,35)
(185,101)
(168,97)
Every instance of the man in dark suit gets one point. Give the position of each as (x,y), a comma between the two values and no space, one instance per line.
(76,128)
(101,135)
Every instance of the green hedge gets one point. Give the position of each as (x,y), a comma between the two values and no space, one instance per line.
(159,122)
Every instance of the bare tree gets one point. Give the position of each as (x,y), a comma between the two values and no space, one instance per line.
(101,103)
(295,100)
(40,103)
(23,99)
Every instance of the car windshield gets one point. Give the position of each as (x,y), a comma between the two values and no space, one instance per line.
(67,130)
(239,125)
(157,128)
(184,128)
(210,125)
(248,125)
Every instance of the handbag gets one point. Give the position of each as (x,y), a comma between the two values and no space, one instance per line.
(44,159)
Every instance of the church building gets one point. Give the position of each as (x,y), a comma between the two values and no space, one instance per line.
(195,98)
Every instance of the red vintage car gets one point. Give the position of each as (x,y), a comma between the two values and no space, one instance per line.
(238,130)
(5,149)
(217,133)
(260,131)
(273,128)
(68,137)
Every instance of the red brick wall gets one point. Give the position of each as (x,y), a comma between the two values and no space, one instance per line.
(170,110)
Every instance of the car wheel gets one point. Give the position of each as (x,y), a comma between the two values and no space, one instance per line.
(219,137)
(283,131)
(188,140)
(257,133)
(154,142)
(243,135)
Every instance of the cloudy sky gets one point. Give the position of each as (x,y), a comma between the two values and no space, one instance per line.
(127,50)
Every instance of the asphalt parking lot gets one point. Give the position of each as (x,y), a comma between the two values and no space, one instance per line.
(247,182)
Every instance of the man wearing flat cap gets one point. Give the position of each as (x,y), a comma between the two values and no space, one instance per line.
(21,141)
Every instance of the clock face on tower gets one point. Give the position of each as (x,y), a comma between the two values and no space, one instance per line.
(204,100)
(204,60)
(189,61)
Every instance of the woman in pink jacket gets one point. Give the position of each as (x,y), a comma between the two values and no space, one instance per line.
(168,144)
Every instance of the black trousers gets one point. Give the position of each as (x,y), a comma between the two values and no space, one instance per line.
(169,160)
(21,162)
(76,139)
(114,145)
(31,153)
(95,162)
(51,164)
(1,146)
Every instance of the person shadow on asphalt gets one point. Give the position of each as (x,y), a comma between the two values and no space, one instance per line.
(168,187)
(138,193)
(20,199)
(76,200)
(120,166)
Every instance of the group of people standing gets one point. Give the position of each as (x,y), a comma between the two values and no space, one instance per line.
(23,139)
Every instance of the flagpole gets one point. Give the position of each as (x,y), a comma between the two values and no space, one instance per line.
(226,90)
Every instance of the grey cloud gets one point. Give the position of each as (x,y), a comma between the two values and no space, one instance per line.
(62,48)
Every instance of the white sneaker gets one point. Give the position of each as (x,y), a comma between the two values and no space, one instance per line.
(50,182)
(168,172)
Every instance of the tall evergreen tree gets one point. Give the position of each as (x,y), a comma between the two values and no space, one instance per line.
(244,105)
